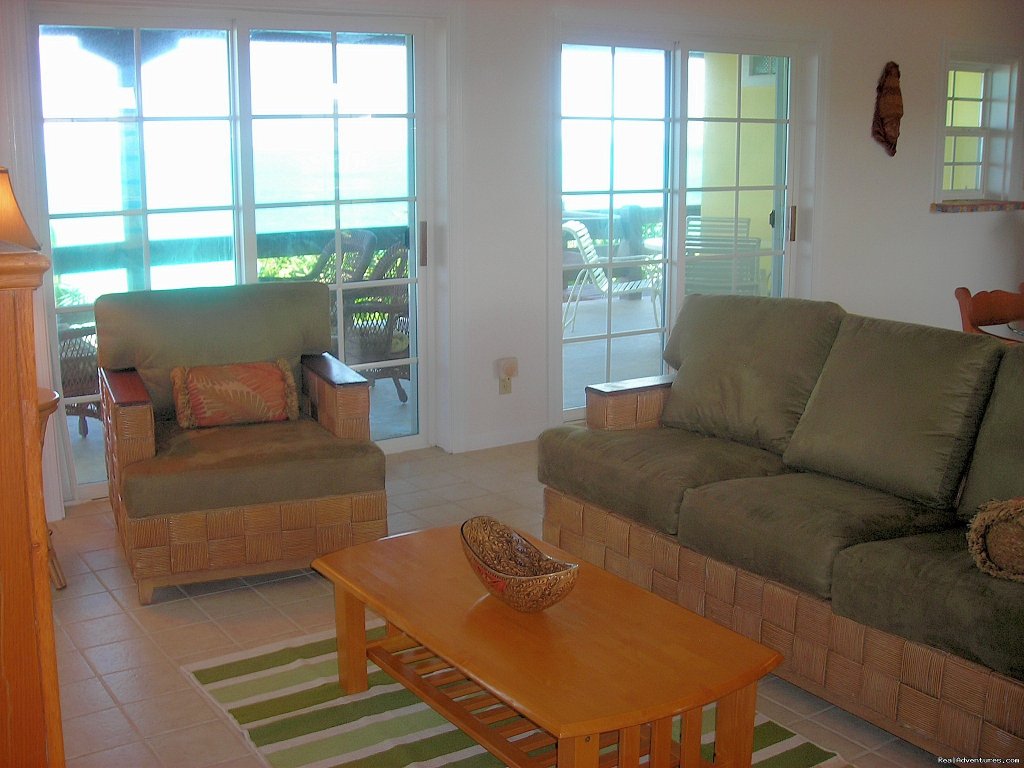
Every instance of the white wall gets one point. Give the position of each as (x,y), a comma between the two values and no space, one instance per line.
(876,248)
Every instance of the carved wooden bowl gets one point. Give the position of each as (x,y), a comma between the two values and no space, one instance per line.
(513,569)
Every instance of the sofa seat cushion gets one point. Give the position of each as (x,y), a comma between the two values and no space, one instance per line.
(642,474)
(897,408)
(746,365)
(927,588)
(790,528)
(240,465)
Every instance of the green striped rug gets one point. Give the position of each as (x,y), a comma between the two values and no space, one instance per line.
(286,698)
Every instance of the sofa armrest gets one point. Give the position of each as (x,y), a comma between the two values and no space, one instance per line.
(336,396)
(128,419)
(629,404)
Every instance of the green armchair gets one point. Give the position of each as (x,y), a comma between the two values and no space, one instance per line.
(197,504)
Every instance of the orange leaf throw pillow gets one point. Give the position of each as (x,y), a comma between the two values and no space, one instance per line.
(238,393)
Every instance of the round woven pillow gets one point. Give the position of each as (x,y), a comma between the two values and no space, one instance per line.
(996,539)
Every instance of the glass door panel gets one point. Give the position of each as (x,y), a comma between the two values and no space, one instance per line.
(324,147)
(737,134)
(335,196)
(151,203)
(615,139)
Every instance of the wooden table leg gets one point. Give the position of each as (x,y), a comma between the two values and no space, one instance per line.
(734,727)
(661,743)
(629,747)
(691,731)
(578,751)
(350,616)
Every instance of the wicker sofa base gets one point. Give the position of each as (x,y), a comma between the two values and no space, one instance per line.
(240,541)
(942,703)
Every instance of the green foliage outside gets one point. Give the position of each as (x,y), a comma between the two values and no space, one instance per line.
(66,296)
(286,267)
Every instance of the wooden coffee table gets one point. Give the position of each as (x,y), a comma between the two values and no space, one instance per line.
(610,669)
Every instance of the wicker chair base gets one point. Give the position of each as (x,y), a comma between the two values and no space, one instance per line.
(214,544)
(928,697)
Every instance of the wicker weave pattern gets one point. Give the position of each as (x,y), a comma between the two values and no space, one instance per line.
(219,543)
(343,411)
(626,409)
(931,698)
(199,543)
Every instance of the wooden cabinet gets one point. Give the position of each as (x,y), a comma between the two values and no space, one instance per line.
(30,726)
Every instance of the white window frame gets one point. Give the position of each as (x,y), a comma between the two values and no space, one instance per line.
(430,139)
(807,99)
(1002,175)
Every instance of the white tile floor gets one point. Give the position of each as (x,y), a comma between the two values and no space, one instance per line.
(126,703)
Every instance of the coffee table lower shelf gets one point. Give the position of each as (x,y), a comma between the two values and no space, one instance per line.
(510,736)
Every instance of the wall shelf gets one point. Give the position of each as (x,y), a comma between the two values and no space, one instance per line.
(975,206)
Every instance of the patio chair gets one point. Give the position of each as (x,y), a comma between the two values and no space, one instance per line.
(357,249)
(78,372)
(235,444)
(593,273)
(376,320)
(720,256)
(989,308)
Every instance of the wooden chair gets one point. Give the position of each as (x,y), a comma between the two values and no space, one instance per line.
(988,308)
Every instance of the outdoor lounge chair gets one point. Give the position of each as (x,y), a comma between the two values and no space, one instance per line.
(594,273)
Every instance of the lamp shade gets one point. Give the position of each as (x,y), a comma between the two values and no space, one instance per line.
(13,228)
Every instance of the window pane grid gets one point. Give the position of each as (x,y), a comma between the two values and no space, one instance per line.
(163,207)
(977,103)
(615,143)
(134,97)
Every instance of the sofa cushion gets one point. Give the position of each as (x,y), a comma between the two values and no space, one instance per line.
(240,465)
(746,365)
(926,588)
(790,528)
(995,471)
(237,393)
(897,408)
(155,331)
(641,474)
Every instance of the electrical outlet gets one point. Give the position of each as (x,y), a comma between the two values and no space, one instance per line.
(505,385)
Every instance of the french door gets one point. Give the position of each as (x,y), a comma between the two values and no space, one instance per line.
(615,139)
(737,148)
(242,153)
(663,195)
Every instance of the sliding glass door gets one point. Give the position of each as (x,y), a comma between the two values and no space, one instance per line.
(615,142)
(656,197)
(737,148)
(333,127)
(179,157)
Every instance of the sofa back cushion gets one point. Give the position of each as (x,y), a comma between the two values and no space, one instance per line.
(746,365)
(155,331)
(897,408)
(997,466)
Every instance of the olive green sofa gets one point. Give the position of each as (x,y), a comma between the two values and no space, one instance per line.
(807,477)
(197,504)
